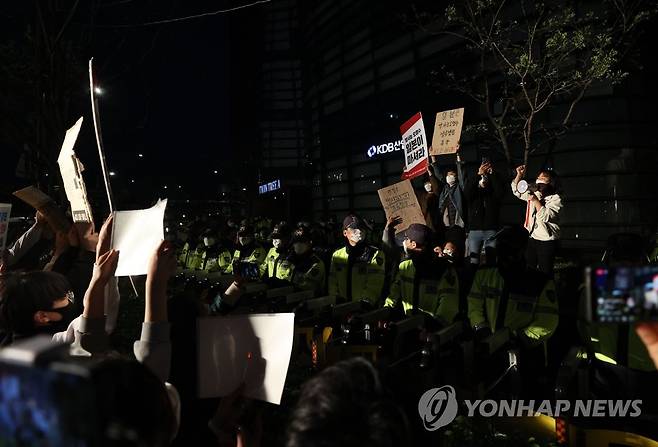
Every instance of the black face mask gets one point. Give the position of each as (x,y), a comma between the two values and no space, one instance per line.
(545,189)
(68,313)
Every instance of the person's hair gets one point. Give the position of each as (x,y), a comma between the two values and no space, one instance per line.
(549,173)
(24,294)
(345,405)
(133,406)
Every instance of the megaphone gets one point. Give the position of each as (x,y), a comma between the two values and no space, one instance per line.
(523,186)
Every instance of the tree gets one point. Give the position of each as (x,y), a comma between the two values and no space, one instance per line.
(521,59)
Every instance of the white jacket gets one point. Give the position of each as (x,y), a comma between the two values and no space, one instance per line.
(543,225)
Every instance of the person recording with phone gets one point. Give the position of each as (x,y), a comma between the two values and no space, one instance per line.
(542,217)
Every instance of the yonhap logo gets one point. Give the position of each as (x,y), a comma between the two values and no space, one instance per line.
(438,407)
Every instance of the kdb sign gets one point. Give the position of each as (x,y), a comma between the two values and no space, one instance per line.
(385,148)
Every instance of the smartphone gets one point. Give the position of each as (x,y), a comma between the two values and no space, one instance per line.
(249,271)
(622,294)
(51,405)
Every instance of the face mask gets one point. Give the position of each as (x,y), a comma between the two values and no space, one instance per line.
(355,236)
(244,241)
(208,241)
(540,181)
(447,252)
(451,179)
(68,313)
(276,243)
(405,247)
(482,183)
(428,187)
(300,248)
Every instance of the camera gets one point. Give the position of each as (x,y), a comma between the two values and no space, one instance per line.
(46,396)
(622,294)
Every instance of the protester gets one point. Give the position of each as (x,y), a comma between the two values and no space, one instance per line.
(346,405)
(451,203)
(34,303)
(357,270)
(542,218)
(484,193)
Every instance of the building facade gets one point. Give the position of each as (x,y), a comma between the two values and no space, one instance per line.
(354,71)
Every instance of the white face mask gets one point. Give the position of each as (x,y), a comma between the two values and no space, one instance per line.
(447,252)
(245,240)
(405,247)
(451,179)
(541,181)
(300,247)
(355,236)
(276,243)
(482,183)
(428,187)
(208,241)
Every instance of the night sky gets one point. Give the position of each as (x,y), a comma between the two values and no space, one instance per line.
(165,91)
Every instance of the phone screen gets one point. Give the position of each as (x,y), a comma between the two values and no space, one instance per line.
(45,407)
(623,294)
(249,270)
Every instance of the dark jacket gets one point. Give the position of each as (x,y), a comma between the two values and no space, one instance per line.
(484,203)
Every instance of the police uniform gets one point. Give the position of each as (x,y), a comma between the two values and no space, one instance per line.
(184,253)
(253,254)
(436,295)
(216,259)
(362,279)
(272,267)
(526,304)
(196,258)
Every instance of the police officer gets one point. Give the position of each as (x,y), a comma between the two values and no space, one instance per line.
(195,258)
(217,257)
(513,295)
(248,250)
(279,252)
(424,282)
(302,267)
(357,270)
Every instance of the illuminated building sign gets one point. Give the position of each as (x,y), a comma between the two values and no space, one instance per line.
(269,187)
(385,148)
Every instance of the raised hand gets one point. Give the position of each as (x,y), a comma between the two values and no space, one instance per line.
(105,237)
(162,266)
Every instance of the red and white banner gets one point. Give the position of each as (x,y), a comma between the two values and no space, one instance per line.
(415,147)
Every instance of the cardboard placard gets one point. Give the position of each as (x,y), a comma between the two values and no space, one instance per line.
(447,131)
(45,205)
(400,200)
(71,170)
(415,147)
(5,212)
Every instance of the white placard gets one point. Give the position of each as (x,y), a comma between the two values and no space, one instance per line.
(136,234)
(252,349)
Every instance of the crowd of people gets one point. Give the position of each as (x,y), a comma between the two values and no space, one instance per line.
(460,266)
